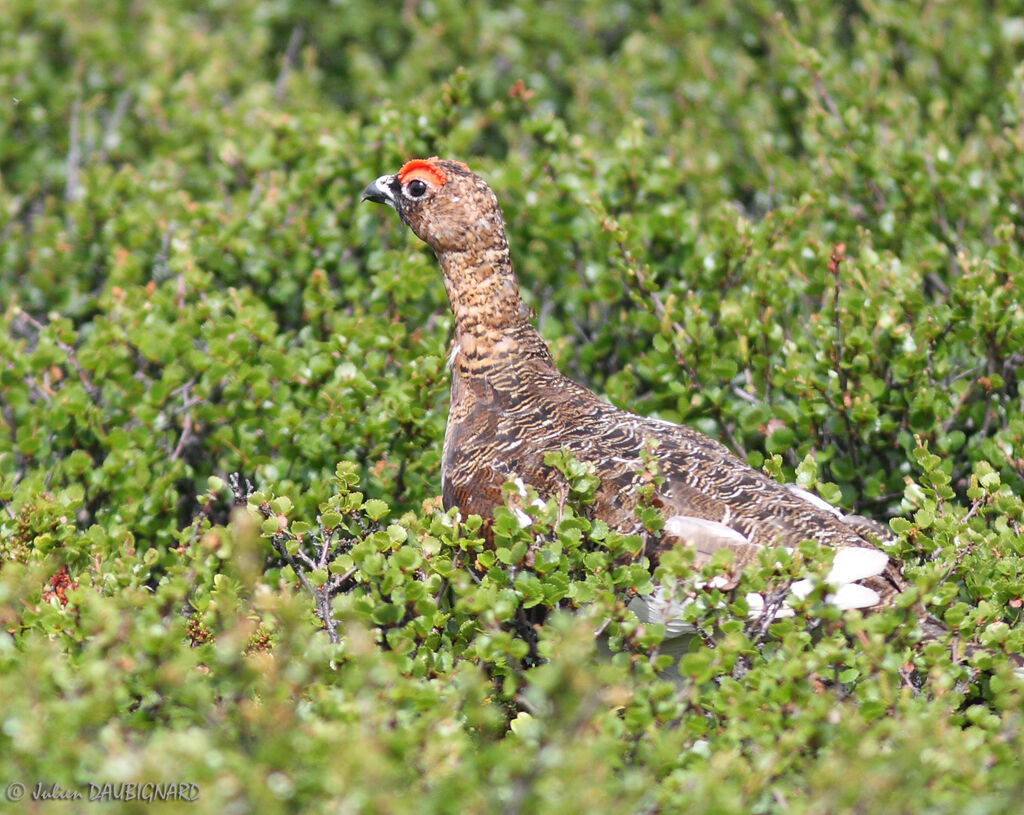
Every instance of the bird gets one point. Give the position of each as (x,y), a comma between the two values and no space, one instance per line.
(511,406)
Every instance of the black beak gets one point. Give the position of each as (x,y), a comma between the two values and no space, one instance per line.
(381,191)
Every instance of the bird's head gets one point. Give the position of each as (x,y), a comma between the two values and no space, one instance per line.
(443,202)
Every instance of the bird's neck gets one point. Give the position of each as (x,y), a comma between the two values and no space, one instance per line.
(489,313)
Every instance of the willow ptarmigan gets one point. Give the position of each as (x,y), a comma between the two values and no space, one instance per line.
(510,406)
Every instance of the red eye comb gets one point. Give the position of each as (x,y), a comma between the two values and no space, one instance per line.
(425,169)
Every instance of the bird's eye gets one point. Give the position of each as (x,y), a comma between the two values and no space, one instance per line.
(416,188)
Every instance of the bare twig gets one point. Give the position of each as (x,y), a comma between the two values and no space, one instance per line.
(197,524)
(74,159)
(113,124)
(826,97)
(294,41)
(323,596)
(187,423)
(835,260)
(946,232)
(160,267)
(8,416)
(758,629)
(975,505)
(319,595)
(72,358)
(241,488)
(948,424)
(746,397)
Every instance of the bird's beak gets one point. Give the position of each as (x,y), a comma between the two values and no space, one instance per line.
(381,191)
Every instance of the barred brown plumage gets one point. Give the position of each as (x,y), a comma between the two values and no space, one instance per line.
(510,406)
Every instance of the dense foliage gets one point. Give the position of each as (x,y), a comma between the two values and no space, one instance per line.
(796,227)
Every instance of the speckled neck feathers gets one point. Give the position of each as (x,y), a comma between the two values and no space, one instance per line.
(491,319)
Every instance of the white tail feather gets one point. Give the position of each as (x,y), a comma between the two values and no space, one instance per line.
(661,607)
(811,498)
(755,606)
(802,588)
(716,582)
(849,565)
(689,528)
(853,595)
(855,563)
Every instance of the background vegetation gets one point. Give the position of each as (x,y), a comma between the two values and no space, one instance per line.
(796,227)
